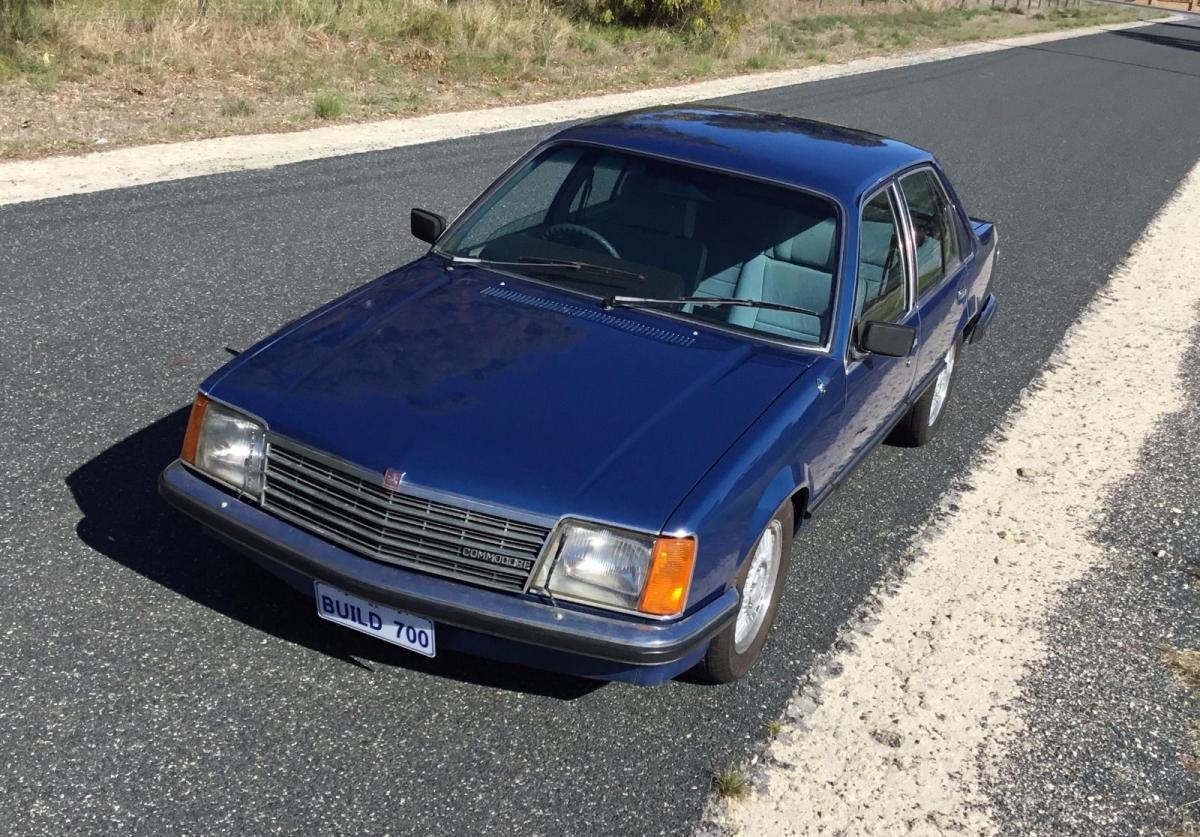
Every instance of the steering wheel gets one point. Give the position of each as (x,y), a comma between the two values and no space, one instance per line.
(564,233)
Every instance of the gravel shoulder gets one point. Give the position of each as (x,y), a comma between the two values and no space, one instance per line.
(1023,631)
(1107,726)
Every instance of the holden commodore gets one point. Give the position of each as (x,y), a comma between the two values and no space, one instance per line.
(581,431)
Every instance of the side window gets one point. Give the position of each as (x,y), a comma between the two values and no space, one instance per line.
(880,289)
(934,226)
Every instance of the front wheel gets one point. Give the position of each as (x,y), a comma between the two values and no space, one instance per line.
(924,417)
(760,583)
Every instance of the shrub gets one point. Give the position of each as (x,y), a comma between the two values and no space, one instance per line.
(237,107)
(21,20)
(328,104)
(696,14)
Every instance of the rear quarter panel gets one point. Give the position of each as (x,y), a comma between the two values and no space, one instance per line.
(980,279)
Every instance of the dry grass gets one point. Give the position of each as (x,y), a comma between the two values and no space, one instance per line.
(131,71)
(1184,664)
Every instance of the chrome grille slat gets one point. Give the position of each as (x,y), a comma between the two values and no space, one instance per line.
(385,545)
(396,528)
(429,510)
(489,579)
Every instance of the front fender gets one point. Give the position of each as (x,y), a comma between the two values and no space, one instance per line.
(787,449)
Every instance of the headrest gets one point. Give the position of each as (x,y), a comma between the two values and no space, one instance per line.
(814,247)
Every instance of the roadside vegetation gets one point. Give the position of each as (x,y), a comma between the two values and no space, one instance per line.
(732,782)
(78,74)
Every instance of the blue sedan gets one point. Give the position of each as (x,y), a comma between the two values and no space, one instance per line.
(581,432)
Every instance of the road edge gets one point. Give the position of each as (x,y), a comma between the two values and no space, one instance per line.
(905,719)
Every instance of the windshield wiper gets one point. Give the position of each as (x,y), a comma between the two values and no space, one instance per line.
(615,301)
(534,261)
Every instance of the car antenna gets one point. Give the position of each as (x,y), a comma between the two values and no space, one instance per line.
(232,351)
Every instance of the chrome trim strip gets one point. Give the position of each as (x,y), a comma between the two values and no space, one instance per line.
(890,186)
(962,261)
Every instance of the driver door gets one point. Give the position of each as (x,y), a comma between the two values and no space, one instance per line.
(877,387)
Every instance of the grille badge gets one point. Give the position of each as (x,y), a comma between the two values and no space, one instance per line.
(392,478)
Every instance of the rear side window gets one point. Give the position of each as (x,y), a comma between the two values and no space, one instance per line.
(934,228)
(881,285)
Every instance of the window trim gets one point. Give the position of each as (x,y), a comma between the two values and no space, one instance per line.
(948,273)
(892,186)
(961,232)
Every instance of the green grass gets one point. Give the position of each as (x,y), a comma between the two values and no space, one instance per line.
(328,104)
(240,106)
(733,782)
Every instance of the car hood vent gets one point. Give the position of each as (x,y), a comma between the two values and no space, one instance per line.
(585,312)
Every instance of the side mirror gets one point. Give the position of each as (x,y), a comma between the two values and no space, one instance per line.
(427,226)
(888,339)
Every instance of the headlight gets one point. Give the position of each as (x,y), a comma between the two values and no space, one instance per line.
(610,567)
(226,445)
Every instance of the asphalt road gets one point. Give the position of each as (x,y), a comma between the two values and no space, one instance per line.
(152,682)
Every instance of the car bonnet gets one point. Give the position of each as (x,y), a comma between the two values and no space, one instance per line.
(489,387)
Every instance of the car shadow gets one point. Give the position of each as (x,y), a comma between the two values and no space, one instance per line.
(1159,39)
(125,520)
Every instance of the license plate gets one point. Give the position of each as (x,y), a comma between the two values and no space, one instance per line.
(395,626)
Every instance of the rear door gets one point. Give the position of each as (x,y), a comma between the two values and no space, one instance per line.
(938,245)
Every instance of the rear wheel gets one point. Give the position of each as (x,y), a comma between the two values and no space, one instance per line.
(925,416)
(760,583)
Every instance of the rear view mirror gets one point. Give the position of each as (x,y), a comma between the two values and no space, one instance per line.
(427,226)
(888,339)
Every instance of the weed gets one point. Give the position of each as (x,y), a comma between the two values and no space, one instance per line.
(240,106)
(733,782)
(328,104)
(1183,663)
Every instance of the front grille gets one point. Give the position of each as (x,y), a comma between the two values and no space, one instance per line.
(399,528)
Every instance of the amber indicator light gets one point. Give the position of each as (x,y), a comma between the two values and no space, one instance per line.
(192,438)
(666,588)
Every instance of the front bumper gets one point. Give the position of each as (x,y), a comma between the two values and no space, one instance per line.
(520,619)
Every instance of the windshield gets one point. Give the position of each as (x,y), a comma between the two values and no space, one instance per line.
(615,224)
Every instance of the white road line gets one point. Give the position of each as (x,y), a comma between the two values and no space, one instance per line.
(895,741)
(57,176)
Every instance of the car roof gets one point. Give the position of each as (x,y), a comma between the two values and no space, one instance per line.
(840,162)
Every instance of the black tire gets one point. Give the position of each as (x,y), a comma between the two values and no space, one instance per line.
(723,663)
(915,429)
